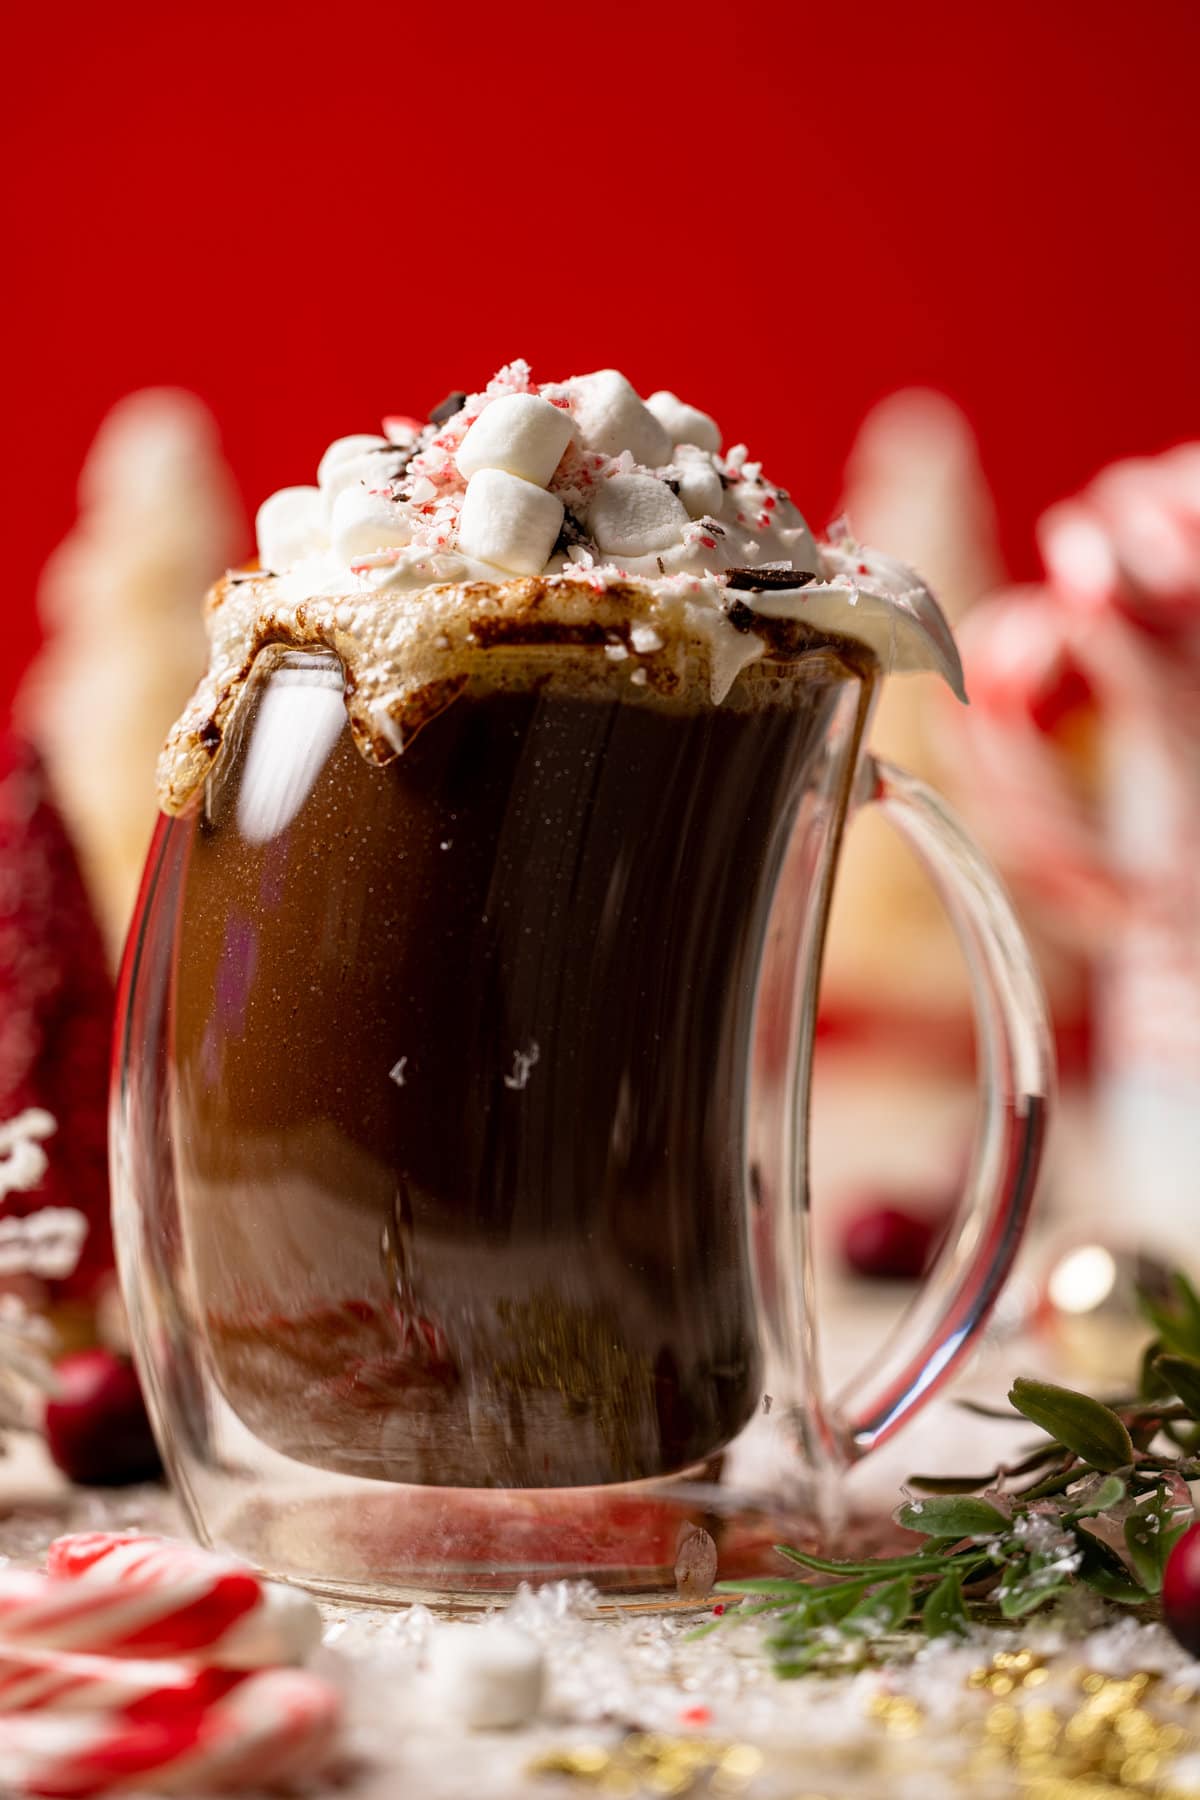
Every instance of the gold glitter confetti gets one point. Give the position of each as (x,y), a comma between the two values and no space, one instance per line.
(1008,1671)
(897,1714)
(1037,1729)
(649,1762)
(1106,1741)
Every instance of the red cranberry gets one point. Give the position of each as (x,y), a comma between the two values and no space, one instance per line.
(889,1242)
(96,1426)
(1181,1590)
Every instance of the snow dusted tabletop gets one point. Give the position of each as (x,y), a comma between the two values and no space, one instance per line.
(1078,1708)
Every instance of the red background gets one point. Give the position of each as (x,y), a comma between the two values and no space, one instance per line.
(315,215)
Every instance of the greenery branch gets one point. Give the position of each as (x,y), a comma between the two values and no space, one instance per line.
(1098,1501)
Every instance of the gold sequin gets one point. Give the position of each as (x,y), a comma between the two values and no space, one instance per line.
(1102,1739)
(1038,1730)
(898,1714)
(651,1762)
(1008,1671)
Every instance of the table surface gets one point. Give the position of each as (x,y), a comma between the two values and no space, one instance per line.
(634,1708)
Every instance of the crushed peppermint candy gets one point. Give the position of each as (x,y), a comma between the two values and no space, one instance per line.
(569,514)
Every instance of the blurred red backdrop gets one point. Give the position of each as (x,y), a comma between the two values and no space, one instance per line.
(315,215)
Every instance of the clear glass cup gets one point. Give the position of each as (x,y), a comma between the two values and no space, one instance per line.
(460,1128)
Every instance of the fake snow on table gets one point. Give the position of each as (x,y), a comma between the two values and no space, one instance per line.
(1083,1705)
(631,1706)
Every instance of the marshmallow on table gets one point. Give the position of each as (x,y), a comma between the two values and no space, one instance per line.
(633,515)
(684,424)
(508,522)
(490,1676)
(289,525)
(520,433)
(611,417)
(362,521)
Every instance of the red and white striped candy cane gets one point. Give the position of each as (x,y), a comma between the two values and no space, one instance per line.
(176,1602)
(34,1680)
(270,1728)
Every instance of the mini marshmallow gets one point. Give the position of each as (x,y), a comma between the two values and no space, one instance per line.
(700,489)
(611,418)
(508,522)
(368,469)
(346,449)
(490,1676)
(362,522)
(798,544)
(290,524)
(633,515)
(519,433)
(684,424)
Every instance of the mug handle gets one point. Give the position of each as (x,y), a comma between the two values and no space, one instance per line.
(1016,1076)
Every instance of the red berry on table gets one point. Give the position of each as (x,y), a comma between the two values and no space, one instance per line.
(1181,1590)
(97,1430)
(889,1242)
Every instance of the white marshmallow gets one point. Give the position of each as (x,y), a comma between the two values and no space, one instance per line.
(798,544)
(344,450)
(612,418)
(289,524)
(509,522)
(489,1676)
(684,424)
(368,469)
(520,433)
(633,515)
(362,522)
(700,489)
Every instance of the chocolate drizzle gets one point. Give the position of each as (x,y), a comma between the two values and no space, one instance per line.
(571,533)
(765,581)
(452,404)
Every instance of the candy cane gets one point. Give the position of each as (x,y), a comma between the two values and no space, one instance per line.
(189,1605)
(271,1727)
(33,1680)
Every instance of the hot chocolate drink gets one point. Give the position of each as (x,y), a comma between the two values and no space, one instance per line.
(489,784)
(460,1052)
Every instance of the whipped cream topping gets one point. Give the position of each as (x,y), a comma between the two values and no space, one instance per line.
(571,513)
(584,478)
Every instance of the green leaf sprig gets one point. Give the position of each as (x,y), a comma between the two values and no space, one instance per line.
(1099,1500)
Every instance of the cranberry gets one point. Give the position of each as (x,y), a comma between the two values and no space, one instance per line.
(1181,1590)
(96,1426)
(889,1242)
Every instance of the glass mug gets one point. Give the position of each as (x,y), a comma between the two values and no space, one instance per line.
(460,1128)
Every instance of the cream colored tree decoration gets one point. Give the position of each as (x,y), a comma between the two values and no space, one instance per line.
(120,600)
(915,488)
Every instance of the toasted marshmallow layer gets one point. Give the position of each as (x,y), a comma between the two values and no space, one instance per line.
(645,492)
(567,506)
